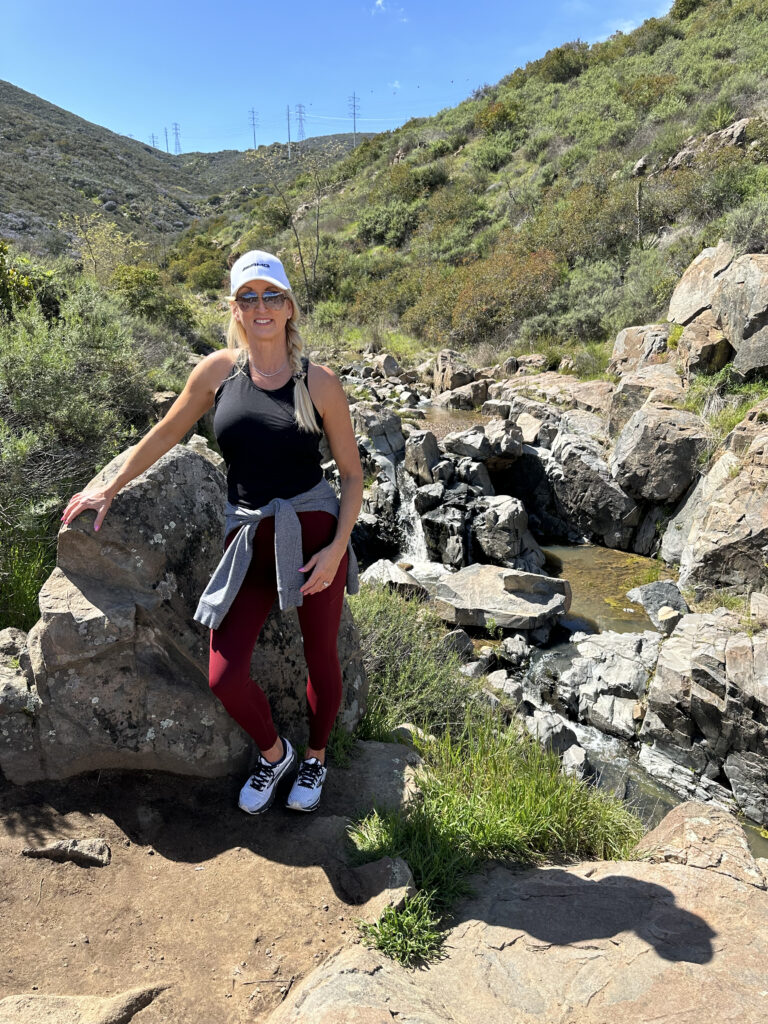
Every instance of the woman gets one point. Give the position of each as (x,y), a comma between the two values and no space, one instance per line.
(286,534)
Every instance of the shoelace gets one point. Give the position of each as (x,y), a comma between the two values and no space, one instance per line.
(310,774)
(262,776)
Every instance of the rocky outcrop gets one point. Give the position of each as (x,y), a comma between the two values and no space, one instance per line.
(656,454)
(655,384)
(119,667)
(36,1007)
(723,529)
(703,347)
(708,705)
(661,938)
(450,371)
(695,290)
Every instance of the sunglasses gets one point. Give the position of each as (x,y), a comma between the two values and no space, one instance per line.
(271,300)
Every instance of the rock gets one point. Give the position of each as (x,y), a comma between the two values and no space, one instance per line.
(459,642)
(493,407)
(410,734)
(655,596)
(553,731)
(586,495)
(421,455)
(197,443)
(469,396)
(745,432)
(694,291)
(694,509)
(86,853)
(444,472)
(497,532)
(708,702)
(740,303)
(483,596)
(668,618)
(656,454)
(702,835)
(19,706)
(758,609)
(386,365)
(450,372)
(746,773)
(636,346)
(428,497)
(37,1008)
(681,778)
(529,427)
(470,443)
(506,441)
(445,536)
(120,668)
(380,426)
(377,886)
(386,573)
(655,384)
(575,761)
(475,474)
(703,348)
(727,542)
(514,651)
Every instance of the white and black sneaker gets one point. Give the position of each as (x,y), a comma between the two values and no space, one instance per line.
(259,790)
(306,790)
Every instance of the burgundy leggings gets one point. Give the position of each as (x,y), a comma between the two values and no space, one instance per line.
(233,642)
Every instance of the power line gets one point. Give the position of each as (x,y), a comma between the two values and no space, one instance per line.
(153,141)
(176,139)
(254,122)
(167,150)
(300,115)
(288,116)
(354,110)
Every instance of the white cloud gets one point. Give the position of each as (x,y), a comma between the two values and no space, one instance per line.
(383,7)
(394,85)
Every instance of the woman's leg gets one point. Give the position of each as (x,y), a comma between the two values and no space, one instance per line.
(319,617)
(232,644)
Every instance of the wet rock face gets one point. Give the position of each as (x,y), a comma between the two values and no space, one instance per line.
(119,666)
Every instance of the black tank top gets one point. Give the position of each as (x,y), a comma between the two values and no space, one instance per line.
(266,453)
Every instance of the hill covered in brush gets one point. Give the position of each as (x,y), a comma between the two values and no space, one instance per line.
(561,203)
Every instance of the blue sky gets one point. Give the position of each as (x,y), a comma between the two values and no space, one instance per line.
(139,67)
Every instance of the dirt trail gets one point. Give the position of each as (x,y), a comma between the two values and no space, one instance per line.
(227,910)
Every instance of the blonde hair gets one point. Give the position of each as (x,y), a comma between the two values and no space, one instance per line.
(304,409)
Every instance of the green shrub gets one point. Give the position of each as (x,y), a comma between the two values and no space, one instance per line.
(495,151)
(329,314)
(563,63)
(682,8)
(746,227)
(389,223)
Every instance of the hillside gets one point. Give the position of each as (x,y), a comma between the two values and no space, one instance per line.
(54,163)
(557,206)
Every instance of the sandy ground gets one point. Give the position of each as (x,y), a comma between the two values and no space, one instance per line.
(227,910)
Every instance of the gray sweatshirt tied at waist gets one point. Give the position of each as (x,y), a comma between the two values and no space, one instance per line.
(231,570)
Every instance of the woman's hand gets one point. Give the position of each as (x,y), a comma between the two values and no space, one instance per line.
(99,499)
(323,566)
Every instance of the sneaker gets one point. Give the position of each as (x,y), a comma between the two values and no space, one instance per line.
(306,790)
(259,791)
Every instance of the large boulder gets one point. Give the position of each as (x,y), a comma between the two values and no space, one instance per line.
(499,533)
(120,667)
(636,346)
(468,396)
(586,495)
(421,455)
(486,596)
(445,533)
(703,347)
(378,427)
(450,372)
(656,384)
(695,289)
(656,454)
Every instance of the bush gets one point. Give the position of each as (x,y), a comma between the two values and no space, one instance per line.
(563,62)
(682,8)
(388,223)
(746,227)
(491,153)
(329,314)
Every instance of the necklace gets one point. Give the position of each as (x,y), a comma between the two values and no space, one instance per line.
(274,372)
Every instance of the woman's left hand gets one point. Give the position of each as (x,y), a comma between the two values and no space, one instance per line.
(323,566)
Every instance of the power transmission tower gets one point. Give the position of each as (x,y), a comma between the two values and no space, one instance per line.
(167,150)
(354,111)
(153,141)
(300,115)
(254,123)
(288,115)
(176,139)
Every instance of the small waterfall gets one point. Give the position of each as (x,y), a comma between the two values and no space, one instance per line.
(414,545)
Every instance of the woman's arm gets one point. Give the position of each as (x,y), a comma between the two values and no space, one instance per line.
(331,402)
(193,402)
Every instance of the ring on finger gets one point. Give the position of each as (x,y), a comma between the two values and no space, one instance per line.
(326,583)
